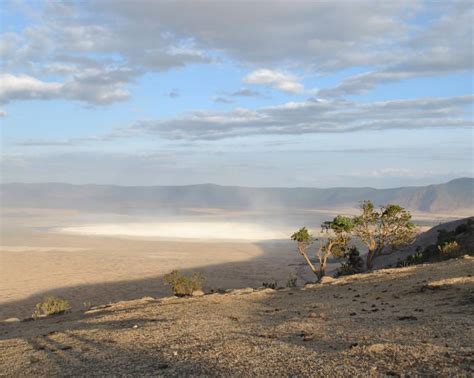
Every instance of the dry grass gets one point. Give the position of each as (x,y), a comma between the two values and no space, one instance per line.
(409,321)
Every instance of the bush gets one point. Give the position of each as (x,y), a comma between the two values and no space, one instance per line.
(353,263)
(270,284)
(183,285)
(291,281)
(417,258)
(449,250)
(51,306)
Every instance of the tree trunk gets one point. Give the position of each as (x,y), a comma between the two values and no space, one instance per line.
(370,259)
(322,268)
(313,268)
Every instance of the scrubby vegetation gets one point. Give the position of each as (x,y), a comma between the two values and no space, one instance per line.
(270,284)
(352,263)
(183,285)
(51,306)
(449,244)
(292,280)
(383,231)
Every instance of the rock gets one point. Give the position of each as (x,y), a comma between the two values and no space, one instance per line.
(377,348)
(267,290)
(147,299)
(311,285)
(246,290)
(326,280)
(11,320)
(197,293)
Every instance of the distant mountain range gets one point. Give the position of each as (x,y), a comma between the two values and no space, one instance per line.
(457,194)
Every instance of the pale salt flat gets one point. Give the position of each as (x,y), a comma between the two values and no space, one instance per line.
(182,230)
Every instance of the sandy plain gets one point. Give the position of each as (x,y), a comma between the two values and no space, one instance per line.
(414,321)
(102,258)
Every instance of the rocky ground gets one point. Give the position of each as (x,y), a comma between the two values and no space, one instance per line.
(411,321)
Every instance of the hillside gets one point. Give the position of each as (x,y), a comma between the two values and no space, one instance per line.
(409,321)
(454,195)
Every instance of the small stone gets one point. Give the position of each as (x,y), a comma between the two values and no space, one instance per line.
(197,293)
(407,317)
(246,290)
(135,326)
(326,280)
(11,320)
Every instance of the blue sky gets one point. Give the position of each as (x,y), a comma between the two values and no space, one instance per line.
(262,93)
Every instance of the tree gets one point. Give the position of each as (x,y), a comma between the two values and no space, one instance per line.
(383,231)
(338,236)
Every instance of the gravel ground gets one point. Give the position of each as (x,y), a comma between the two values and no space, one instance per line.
(410,321)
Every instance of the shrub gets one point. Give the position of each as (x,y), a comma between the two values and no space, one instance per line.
(51,306)
(417,258)
(270,284)
(449,249)
(291,281)
(353,263)
(183,285)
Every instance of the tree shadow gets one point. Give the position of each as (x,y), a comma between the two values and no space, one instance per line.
(277,261)
(155,337)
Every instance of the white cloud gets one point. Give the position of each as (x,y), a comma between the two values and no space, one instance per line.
(26,87)
(276,79)
(3,113)
(312,117)
(95,87)
(69,39)
(442,48)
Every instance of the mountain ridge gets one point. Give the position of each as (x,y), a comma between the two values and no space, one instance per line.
(453,195)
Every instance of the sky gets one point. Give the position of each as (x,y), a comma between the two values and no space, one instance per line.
(251,93)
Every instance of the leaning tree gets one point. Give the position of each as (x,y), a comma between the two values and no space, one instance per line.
(337,232)
(383,230)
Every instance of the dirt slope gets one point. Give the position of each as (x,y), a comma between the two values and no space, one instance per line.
(415,320)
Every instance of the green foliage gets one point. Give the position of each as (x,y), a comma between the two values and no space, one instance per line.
(51,306)
(352,264)
(270,284)
(292,280)
(183,285)
(417,258)
(302,236)
(383,230)
(339,224)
